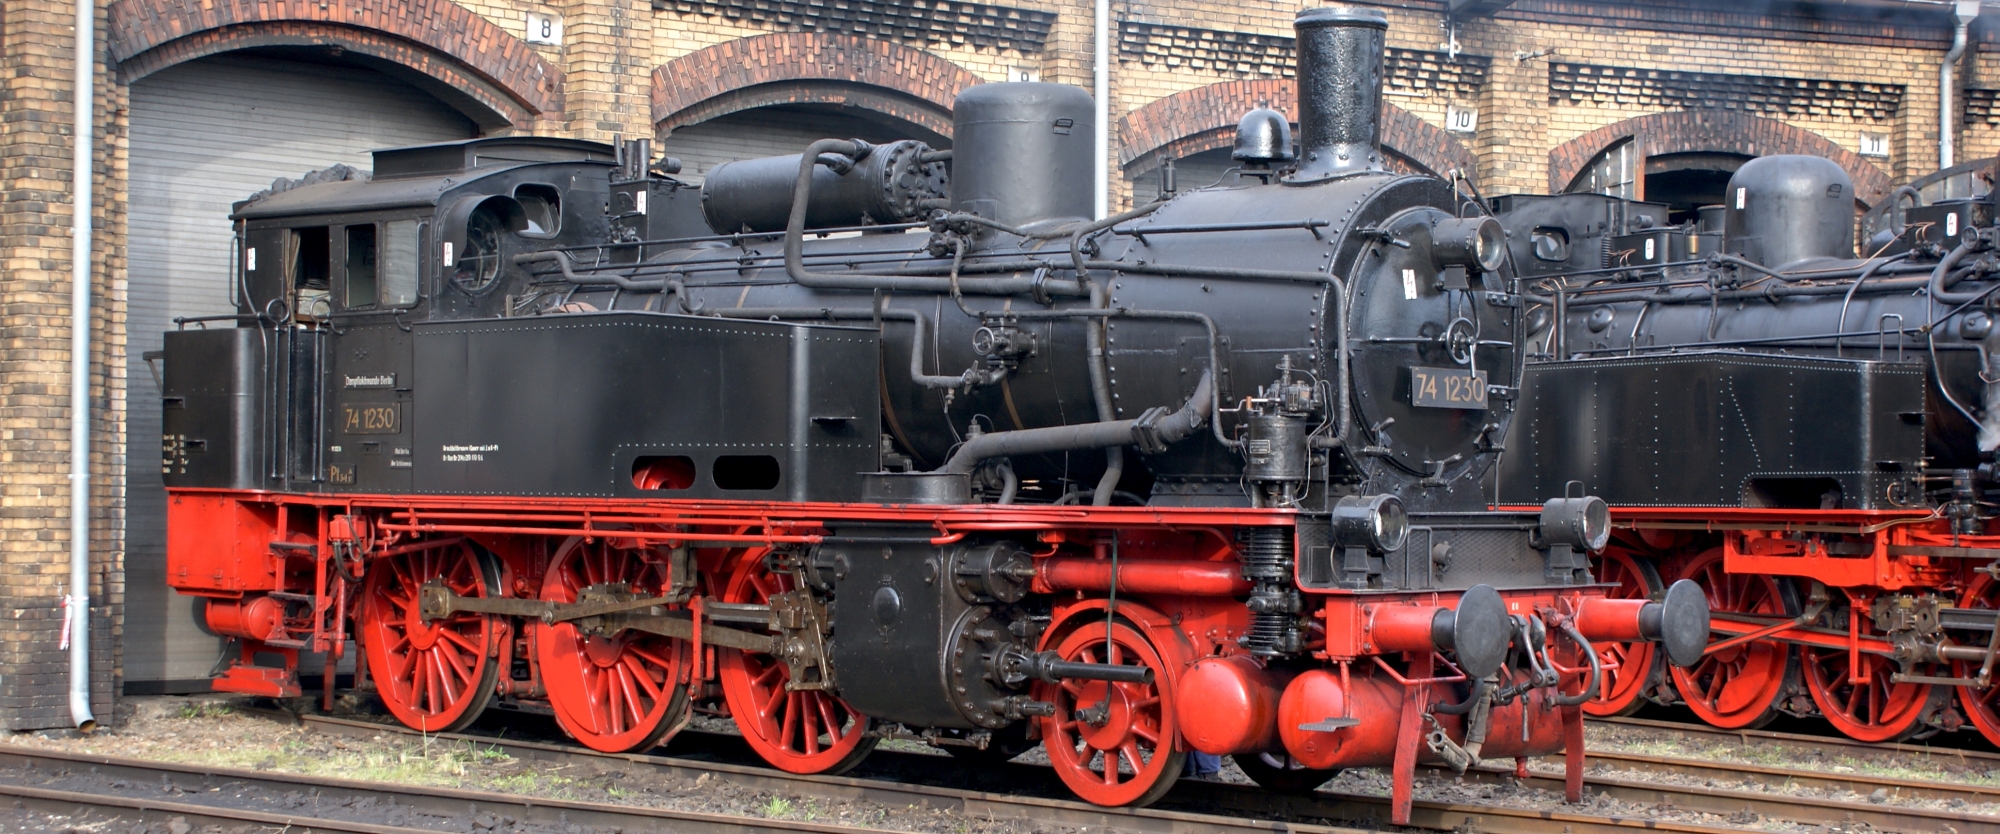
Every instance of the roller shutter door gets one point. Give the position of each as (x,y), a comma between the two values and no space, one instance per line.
(206,134)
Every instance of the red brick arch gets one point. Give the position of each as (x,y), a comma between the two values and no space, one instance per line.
(796,67)
(1727,131)
(1204,118)
(437,38)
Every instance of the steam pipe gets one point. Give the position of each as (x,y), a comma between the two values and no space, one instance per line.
(917,341)
(82,154)
(1208,325)
(1939,283)
(795,248)
(672,287)
(1873,266)
(1064,230)
(1169,428)
(1144,576)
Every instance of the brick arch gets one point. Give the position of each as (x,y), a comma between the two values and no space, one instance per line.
(437,39)
(804,64)
(1728,131)
(923,114)
(1204,118)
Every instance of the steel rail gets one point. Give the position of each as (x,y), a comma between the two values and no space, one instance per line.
(452,808)
(1836,813)
(1262,811)
(1831,744)
(79,804)
(1782,777)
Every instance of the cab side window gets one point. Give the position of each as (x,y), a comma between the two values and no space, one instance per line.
(308,265)
(399,262)
(361,274)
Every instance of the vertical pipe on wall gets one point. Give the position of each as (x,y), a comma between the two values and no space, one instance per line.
(1962,14)
(84,132)
(1101,91)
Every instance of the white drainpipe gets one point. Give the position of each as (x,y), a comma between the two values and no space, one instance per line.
(1101,83)
(79,369)
(1962,14)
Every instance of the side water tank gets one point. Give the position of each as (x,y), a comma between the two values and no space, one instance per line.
(1021,152)
(1784,209)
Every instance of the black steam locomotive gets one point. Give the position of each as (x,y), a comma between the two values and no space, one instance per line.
(1808,434)
(889,441)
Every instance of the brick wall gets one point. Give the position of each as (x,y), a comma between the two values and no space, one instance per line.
(36,54)
(1550,80)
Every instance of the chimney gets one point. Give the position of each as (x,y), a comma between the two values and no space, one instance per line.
(1340,92)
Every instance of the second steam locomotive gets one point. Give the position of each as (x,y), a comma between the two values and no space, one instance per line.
(1808,435)
(884,441)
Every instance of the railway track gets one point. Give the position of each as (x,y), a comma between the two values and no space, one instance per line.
(100,788)
(1829,744)
(915,779)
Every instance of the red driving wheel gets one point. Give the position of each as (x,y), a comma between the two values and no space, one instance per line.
(613,691)
(1112,743)
(433,676)
(1876,711)
(802,731)
(1628,667)
(1737,687)
(1982,706)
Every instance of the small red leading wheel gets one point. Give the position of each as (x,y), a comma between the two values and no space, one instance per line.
(1628,667)
(1878,710)
(1982,706)
(803,731)
(1737,687)
(434,676)
(615,692)
(1112,743)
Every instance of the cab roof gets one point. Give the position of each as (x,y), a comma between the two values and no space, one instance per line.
(415,176)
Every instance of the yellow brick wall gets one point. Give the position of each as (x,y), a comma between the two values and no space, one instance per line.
(36,53)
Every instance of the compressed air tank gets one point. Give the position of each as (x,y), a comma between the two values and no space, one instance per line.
(892,183)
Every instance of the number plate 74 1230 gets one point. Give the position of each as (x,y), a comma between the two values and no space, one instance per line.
(1447,388)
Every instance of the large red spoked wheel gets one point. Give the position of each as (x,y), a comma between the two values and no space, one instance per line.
(1628,667)
(1737,687)
(615,692)
(1878,710)
(433,676)
(806,731)
(1982,706)
(1112,743)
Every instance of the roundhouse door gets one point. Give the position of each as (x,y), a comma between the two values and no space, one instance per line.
(205,134)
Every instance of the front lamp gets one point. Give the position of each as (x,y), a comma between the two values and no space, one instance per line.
(1580,523)
(1376,522)
(1472,242)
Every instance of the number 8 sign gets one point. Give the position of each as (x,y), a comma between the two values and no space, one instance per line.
(544,28)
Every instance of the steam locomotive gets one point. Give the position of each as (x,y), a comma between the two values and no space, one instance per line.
(885,441)
(1808,435)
